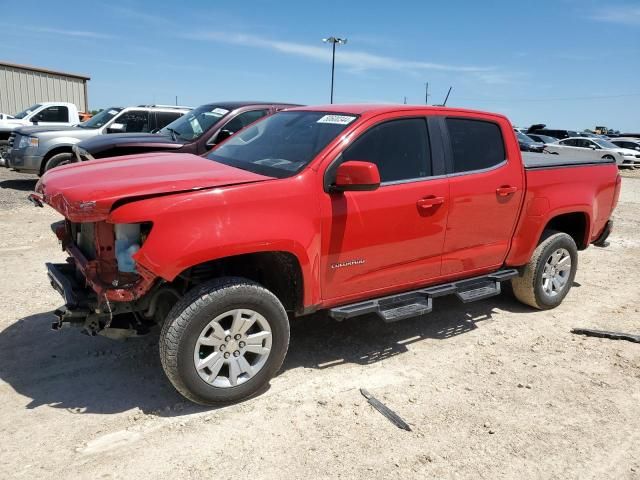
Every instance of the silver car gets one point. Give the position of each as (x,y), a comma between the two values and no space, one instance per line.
(594,149)
(38,149)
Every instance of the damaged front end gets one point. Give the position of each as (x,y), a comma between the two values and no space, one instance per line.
(104,290)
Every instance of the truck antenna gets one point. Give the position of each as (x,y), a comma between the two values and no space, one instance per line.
(444,104)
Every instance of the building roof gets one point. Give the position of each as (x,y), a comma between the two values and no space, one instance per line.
(43,70)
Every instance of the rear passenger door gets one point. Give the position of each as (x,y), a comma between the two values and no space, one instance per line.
(566,147)
(392,237)
(486,187)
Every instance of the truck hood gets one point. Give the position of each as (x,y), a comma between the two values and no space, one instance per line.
(100,143)
(10,123)
(86,192)
(35,129)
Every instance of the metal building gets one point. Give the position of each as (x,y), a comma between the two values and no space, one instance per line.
(22,86)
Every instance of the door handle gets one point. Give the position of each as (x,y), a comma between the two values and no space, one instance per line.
(506,190)
(430,202)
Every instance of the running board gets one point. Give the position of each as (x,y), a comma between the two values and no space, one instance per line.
(419,302)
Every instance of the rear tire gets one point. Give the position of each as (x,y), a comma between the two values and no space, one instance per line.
(59,159)
(547,278)
(207,358)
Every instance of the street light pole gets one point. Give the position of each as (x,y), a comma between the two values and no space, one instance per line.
(333,41)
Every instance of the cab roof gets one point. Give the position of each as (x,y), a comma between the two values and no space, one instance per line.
(375,109)
(234,105)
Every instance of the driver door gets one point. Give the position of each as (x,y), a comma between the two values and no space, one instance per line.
(392,237)
(53,115)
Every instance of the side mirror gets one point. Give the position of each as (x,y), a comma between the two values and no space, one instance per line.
(223,135)
(593,147)
(115,128)
(356,176)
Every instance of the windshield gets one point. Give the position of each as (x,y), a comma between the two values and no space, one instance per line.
(101,118)
(195,123)
(26,112)
(283,144)
(523,138)
(604,143)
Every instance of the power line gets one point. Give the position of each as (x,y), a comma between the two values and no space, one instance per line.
(550,99)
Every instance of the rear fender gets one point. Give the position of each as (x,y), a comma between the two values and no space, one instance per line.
(534,222)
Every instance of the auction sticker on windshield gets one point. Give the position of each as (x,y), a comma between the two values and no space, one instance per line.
(337,119)
(220,111)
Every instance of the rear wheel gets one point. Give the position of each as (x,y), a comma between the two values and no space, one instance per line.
(547,278)
(59,159)
(224,341)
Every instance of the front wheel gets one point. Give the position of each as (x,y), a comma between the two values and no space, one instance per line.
(224,341)
(59,159)
(547,278)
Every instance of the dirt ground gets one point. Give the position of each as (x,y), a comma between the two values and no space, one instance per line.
(491,389)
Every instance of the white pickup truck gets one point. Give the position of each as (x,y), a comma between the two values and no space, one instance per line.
(43,113)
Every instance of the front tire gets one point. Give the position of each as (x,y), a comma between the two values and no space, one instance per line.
(547,278)
(224,341)
(59,159)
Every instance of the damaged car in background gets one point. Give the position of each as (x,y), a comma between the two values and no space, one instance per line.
(196,132)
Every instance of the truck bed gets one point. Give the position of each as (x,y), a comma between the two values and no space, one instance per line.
(544,160)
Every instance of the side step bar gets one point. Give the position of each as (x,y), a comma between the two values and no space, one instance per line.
(419,302)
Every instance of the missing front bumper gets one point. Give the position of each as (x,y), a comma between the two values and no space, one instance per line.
(62,277)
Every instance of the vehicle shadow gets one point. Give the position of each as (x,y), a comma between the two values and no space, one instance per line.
(22,184)
(320,342)
(66,369)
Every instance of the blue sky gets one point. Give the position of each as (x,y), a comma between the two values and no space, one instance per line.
(566,63)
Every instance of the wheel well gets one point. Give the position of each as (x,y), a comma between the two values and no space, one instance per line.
(279,272)
(51,153)
(573,224)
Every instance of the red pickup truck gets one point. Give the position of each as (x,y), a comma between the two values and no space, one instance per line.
(349,209)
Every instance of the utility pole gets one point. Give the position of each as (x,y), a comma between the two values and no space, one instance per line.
(405,100)
(426,93)
(176,100)
(333,41)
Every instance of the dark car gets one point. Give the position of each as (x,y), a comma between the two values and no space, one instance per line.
(196,132)
(541,138)
(527,144)
(542,129)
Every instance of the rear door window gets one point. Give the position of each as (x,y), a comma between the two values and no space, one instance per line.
(400,149)
(165,118)
(475,144)
(134,121)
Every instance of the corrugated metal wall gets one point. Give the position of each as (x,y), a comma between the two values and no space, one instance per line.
(21,88)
